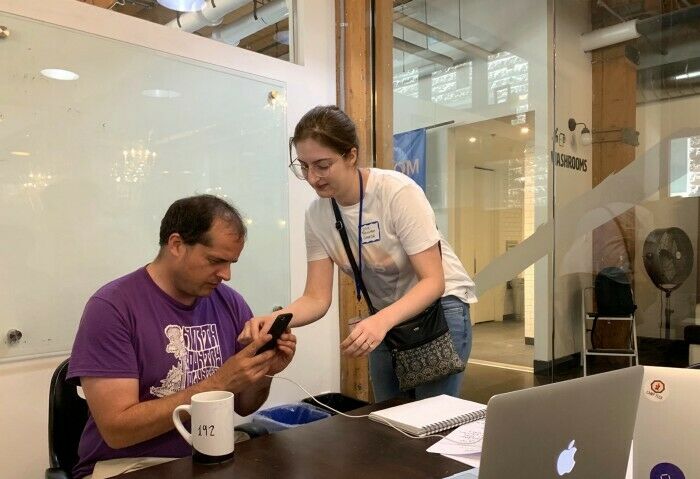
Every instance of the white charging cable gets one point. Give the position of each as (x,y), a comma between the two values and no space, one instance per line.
(379,419)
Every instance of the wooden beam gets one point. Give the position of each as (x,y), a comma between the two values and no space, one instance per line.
(357,80)
(99,3)
(423,53)
(473,51)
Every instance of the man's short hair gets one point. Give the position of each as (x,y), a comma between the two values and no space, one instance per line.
(193,217)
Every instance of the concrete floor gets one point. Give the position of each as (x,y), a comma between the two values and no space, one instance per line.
(501,342)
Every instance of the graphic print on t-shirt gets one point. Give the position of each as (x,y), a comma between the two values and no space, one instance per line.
(198,353)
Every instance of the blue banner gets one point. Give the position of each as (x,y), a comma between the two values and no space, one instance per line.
(409,155)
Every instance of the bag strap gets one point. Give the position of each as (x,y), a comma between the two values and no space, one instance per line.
(340,226)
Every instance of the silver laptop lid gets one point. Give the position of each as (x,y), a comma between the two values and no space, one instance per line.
(667,432)
(581,428)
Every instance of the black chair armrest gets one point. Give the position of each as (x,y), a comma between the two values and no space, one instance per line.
(253,430)
(57,473)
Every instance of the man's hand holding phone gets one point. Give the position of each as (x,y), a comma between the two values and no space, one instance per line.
(283,342)
(279,326)
(284,352)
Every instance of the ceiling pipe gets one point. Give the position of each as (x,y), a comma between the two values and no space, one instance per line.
(672,80)
(604,37)
(209,16)
(267,15)
(629,30)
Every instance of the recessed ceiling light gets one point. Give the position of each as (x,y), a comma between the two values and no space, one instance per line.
(20,153)
(158,93)
(525,130)
(58,74)
(472,140)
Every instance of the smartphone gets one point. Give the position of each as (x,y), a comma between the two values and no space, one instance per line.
(276,330)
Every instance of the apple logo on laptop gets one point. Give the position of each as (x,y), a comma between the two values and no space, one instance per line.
(566,462)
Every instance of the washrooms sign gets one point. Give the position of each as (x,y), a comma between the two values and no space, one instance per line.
(569,161)
(409,155)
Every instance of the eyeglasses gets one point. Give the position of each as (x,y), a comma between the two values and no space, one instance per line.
(320,168)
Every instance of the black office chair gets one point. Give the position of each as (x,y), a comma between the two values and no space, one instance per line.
(68,414)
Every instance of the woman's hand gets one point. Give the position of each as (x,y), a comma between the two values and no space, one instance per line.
(256,327)
(365,337)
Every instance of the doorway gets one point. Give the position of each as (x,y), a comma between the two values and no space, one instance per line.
(490,168)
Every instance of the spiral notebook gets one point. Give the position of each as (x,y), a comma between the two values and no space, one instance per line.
(431,415)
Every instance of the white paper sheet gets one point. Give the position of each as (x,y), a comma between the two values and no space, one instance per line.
(466,439)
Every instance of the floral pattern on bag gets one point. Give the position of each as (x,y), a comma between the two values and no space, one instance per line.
(426,363)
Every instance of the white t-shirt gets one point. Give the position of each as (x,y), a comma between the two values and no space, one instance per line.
(397,221)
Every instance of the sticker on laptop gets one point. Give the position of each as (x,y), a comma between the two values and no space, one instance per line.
(666,470)
(656,390)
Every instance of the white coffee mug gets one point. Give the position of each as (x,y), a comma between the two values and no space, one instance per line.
(212,426)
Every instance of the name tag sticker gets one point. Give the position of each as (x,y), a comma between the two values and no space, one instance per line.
(370,232)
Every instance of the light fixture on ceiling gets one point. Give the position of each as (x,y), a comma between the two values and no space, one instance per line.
(586,137)
(685,76)
(183,5)
(158,93)
(20,153)
(59,74)
(472,139)
(525,130)
(282,37)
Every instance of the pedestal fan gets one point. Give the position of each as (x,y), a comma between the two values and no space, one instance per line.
(668,259)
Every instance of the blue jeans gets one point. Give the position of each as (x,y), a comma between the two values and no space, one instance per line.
(384,381)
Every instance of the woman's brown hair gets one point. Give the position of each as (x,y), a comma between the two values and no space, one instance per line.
(330,127)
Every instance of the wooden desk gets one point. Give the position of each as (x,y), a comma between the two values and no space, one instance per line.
(333,448)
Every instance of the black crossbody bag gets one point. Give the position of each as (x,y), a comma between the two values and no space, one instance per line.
(421,347)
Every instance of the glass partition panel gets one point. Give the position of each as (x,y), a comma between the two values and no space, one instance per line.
(88,167)
(473,76)
(626,188)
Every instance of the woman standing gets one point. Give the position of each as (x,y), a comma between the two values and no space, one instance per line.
(397,249)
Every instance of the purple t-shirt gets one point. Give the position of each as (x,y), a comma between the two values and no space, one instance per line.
(132,329)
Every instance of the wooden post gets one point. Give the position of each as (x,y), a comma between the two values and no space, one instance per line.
(357,81)
(365,99)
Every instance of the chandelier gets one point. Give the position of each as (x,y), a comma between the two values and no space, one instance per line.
(134,165)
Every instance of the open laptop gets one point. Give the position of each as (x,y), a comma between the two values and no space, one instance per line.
(581,428)
(667,431)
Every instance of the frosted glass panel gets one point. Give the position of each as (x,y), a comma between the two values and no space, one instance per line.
(88,168)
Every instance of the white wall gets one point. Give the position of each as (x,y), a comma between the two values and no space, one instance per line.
(23,444)
(573,98)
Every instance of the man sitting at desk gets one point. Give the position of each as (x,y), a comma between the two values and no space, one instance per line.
(151,339)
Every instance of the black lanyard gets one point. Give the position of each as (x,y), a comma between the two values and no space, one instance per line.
(340,226)
(359,235)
